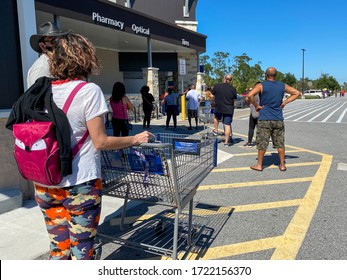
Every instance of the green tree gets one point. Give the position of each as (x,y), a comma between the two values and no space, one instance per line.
(208,69)
(220,64)
(280,76)
(290,79)
(245,75)
(287,78)
(327,82)
(298,84)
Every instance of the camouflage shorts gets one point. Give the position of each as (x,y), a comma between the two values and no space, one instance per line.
(267,129)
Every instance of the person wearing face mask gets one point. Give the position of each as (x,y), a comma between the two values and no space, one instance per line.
(43,43)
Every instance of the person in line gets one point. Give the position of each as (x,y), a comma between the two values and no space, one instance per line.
(210,98)
(225,95)
(120,105)
(253,119)
(193,97)
(43,44)
(71,209)
(270,121)
(147,105)
(171,105)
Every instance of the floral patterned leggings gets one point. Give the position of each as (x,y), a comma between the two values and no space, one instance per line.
(72,216)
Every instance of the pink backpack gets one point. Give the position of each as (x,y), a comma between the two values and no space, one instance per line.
(36,148)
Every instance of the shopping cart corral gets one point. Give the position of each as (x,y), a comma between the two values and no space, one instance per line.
(167,172)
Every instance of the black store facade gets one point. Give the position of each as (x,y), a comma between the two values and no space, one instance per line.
(135,47)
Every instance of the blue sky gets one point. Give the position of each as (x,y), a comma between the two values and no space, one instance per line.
(274,32)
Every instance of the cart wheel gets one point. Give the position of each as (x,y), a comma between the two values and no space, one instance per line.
(97,249)
(194,234)
(98,253)
(160,228)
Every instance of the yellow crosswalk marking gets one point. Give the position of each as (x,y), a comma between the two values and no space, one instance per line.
(255,183)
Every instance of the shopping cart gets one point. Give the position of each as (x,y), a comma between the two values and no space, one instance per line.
(167,172)
(206,115)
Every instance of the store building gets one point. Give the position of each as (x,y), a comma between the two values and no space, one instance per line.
(152,42)
(138,42)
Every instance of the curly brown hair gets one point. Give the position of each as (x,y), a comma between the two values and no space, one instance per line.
(73,57)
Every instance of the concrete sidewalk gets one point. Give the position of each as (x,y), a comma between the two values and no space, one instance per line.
(23,234)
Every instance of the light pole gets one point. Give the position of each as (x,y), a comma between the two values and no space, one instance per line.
(303,71)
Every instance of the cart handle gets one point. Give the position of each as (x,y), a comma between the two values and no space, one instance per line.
(155,145)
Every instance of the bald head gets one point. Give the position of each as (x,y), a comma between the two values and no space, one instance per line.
(271,73)
(228,78)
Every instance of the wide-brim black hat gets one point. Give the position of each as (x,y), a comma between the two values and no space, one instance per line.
(48,29)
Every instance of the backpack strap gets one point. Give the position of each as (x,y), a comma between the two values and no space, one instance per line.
(72,96)
(66,107)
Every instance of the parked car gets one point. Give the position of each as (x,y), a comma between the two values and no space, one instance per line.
(314,92)
(240,102)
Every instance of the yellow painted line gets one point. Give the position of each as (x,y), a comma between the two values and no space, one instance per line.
(308,151)
(217,170)
(296,149)
(247,207)
(255,153)
(255,183)
(268,205)
(295,233)
(221,252)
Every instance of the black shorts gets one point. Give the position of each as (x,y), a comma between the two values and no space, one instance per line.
(226,119)
(192,113)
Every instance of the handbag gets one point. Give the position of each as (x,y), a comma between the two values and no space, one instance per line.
(128,125)
(151,105)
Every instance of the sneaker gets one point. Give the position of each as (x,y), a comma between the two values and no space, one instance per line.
(231,141)
(226,145)
(215,133)
(248,145)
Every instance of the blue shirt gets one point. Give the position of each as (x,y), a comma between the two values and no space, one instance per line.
(171,99)
(271,98)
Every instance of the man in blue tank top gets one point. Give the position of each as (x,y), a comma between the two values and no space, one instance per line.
(270,121)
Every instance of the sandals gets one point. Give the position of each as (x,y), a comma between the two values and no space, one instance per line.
(256,169)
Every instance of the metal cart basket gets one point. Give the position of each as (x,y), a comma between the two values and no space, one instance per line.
(167,172)
(206,114)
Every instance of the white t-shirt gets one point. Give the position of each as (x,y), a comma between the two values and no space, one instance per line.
(88,103)
(40,68)
(193,97)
